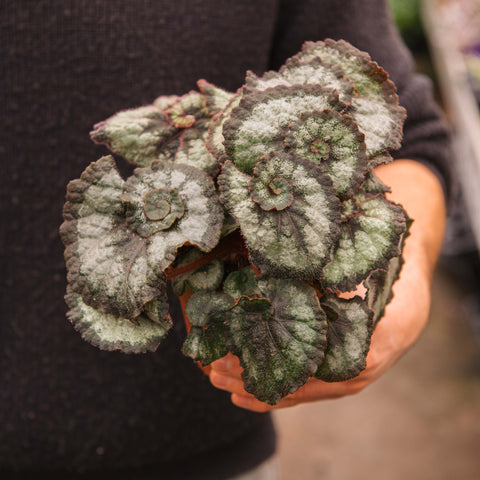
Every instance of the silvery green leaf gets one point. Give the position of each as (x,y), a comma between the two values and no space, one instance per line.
(178,282)
(107,263)
(187,209)
(215,139)
(350,328)
(109,332)
(193,151)
(295,72)
(367,242)
(257,125)
(241,282)
(188,110)
(204,309)
(374,185)
(280,339)
(139,135)
(216,99)
(379,284)
(380,122)
(164,101)
(381,158)
(369,79)
(229,225)
(375,108)
(207,277)
(287,211)
(379,287)
(335,144)
(207,312)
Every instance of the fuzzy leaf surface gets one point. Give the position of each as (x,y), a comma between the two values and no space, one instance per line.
(241,282)
(367,242)
(350,328)
(296,72)
(279,339)
(335,144)
(257,125)
(139,135)
(109,332)
(216,98)
(199,223)
(292,241)
(207,312)
(107,263)
(375,108)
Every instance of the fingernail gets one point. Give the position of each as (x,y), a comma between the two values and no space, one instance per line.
(222,365)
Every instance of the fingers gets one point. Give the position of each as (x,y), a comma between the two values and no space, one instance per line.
(226,375)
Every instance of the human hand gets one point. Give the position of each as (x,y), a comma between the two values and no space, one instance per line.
(405,316)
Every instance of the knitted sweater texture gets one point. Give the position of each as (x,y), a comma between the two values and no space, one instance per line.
(67,408)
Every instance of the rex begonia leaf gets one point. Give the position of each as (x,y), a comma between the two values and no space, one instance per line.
(193,151)
(171,205)
(350,328)
(380,122)
(108,332)
(188,110)
(216,99)
(164,101)
(370,80)
(207,313)
(280,339)
(241,282)
(257,125)
(335,144)
(139,135)
(215,139)
(367,242)
(381,158)
(375,108)
(108,264)
(379,284)
(374,185)
(206,277)
(287,211)
(295,72)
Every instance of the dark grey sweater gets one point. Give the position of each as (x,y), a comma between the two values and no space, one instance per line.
(66,406)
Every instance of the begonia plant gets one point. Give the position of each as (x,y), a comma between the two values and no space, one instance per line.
(260,207)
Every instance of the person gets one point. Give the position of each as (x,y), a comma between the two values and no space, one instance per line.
(69,410)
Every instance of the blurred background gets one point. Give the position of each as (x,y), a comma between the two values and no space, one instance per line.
(421,420)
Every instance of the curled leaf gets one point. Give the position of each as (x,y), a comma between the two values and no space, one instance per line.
(107,263)
(188,110)
(287,212)
(139,135)
(335,144)
(375,108)
(207,312)
(257,125)
(194,214)
(108,332)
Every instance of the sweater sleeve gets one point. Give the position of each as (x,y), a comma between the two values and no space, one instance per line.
(367,24)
